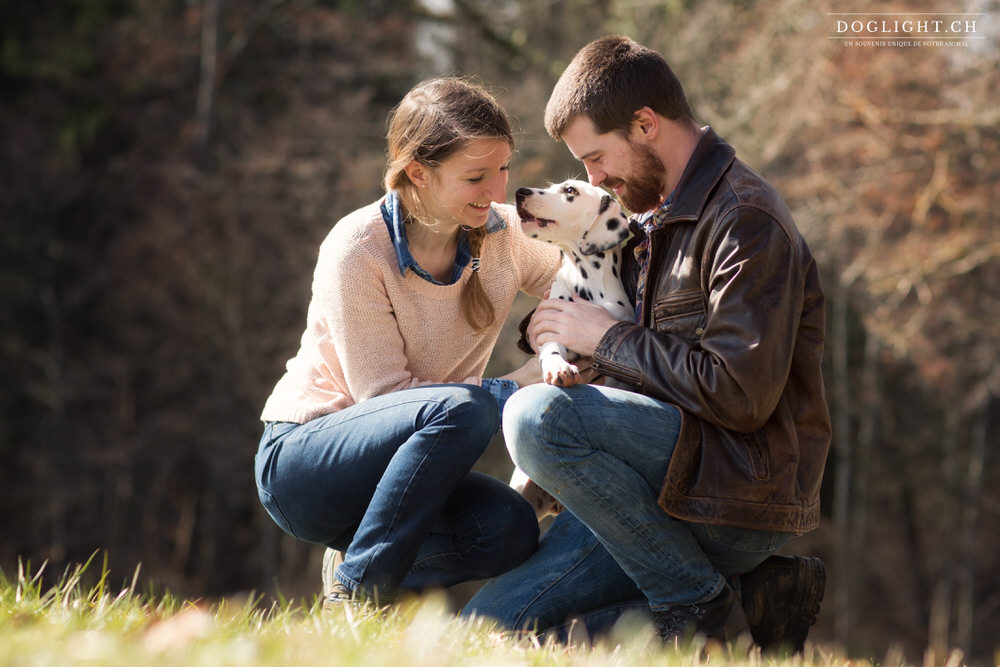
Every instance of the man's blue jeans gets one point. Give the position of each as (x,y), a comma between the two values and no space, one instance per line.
(604,453)
(388,481)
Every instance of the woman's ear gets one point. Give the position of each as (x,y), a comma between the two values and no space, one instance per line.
(417,173)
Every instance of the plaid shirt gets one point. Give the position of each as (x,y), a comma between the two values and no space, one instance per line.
(649,222)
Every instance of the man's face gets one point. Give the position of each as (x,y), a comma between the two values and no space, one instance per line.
(629,169)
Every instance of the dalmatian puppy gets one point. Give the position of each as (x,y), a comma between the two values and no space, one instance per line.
(588,225)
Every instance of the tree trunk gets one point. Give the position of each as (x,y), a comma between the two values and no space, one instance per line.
(867,432)
(209,64)
(943,553)
(966,566)
(842,448)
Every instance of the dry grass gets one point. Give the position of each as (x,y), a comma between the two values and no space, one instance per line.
(73,623)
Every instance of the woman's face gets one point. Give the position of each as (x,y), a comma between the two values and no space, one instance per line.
(460,190)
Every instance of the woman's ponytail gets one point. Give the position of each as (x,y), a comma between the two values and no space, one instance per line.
(477,309)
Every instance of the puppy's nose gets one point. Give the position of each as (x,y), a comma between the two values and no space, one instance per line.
(522,193)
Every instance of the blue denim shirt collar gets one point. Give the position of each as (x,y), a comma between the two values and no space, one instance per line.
(397,232)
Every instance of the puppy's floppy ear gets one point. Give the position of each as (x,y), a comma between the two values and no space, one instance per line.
(608,230)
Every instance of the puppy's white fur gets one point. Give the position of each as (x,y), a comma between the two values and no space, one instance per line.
(588,225)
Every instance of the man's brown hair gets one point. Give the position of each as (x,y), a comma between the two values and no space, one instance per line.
(608,81)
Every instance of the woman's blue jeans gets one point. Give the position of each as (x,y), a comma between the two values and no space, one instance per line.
(604,453)
(388,482)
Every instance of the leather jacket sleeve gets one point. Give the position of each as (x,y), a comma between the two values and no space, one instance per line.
(723,353)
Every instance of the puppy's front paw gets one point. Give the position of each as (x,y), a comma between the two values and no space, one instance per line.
(558,371)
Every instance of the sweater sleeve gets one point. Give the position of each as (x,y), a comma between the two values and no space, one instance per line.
(362,334)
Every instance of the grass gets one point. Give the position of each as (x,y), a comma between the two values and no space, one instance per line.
(75,623)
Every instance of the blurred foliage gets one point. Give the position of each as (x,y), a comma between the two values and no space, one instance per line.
(155,264)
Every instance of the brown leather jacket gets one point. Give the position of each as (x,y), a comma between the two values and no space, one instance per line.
(732,334)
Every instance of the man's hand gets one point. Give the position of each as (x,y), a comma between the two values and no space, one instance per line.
(577,325)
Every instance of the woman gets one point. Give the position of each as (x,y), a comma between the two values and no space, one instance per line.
(372,432)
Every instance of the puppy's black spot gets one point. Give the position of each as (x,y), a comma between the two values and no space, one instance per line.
(614,259)
(601,295)
(605,203)
(596,265)
(614,271)
(562,297)
(621,304)
(534,236)
(583,272)
(613,224)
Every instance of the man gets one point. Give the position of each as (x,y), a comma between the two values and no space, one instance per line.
(703,452)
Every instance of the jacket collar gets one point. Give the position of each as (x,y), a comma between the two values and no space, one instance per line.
(711,159)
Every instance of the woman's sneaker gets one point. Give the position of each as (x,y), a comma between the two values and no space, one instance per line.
(334,592)
(781,598)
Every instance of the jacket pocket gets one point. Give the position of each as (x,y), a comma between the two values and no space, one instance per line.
(680,313)
(756,448)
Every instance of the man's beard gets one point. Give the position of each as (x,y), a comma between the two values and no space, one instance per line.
(644,191)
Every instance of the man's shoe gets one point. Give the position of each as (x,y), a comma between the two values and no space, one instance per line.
(781,598)
(720,618)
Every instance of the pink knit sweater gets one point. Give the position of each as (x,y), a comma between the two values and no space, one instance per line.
(371,330)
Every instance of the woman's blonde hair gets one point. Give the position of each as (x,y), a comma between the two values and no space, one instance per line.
(436,119)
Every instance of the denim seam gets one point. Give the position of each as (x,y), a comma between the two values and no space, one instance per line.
(563,629)
(392,523)
(277,508)
(430,560)
(345,579)
(773,538)
(520,617)
(317,428)
(609,506)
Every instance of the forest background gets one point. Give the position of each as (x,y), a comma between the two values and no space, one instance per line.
(169,167)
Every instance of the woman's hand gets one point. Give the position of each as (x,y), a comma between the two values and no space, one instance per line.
(529,373)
